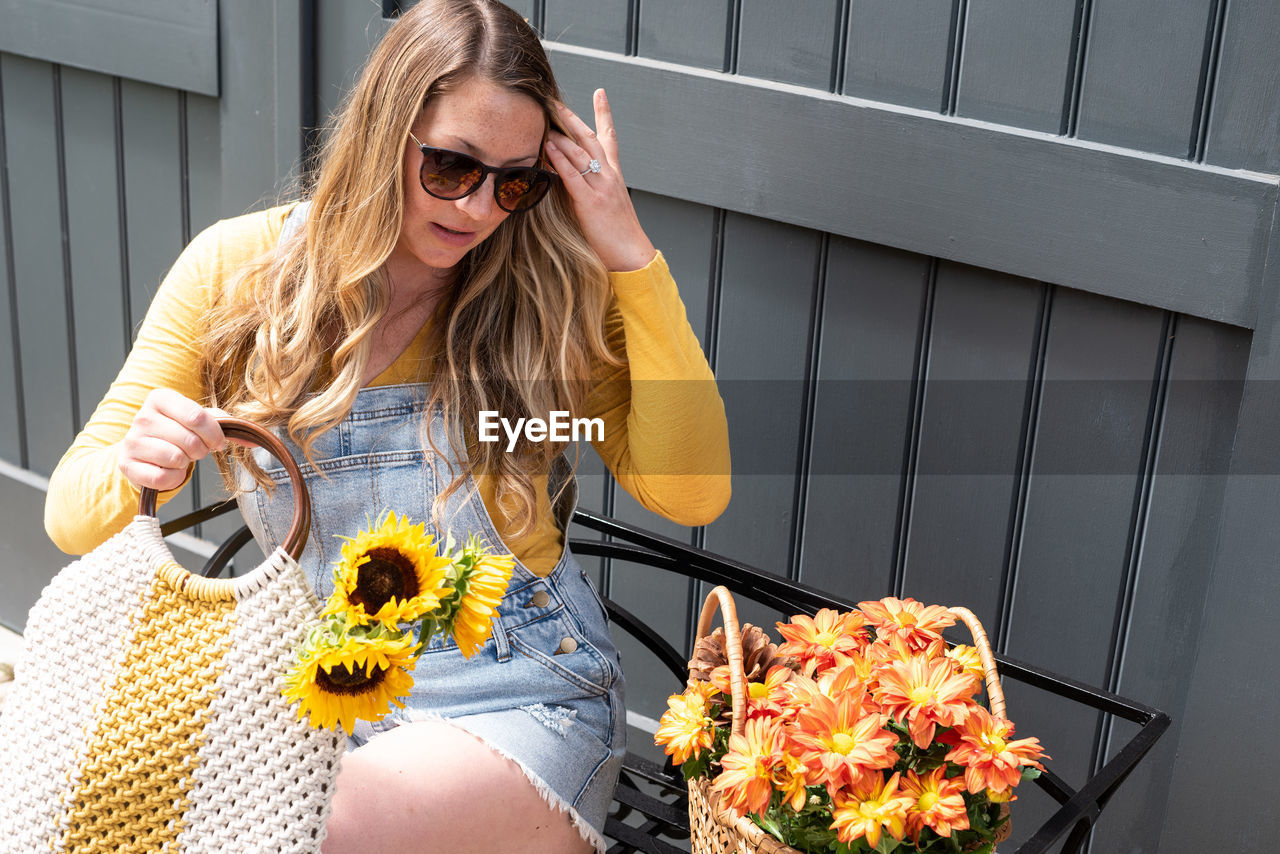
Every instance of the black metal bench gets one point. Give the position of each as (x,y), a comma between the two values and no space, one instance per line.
(649,812)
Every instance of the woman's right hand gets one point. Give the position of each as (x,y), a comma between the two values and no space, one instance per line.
(168,434)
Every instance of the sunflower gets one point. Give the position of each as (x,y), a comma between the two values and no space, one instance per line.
(346,672)
(480,581)
(391,574)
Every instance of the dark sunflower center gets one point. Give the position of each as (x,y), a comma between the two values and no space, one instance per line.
(387,573)
(343,680)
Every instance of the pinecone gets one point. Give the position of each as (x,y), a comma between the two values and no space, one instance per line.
(758,655)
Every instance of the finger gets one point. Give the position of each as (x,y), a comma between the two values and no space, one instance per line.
(605,130)
(575,182)
(579,158)
(582,133)
(191,416)
(144,475)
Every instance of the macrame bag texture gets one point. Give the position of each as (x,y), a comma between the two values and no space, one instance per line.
(147,714)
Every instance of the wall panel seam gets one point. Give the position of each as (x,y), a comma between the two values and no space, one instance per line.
(733,37)
(840,51)
(911,445)
(1208,84)
(955,50)
(11,275)
(1141,513)
(804,461)
(1075,73)
(1026,455)
(122,214)
(64,225)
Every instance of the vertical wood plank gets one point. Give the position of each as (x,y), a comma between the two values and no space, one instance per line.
(1016,61)
(1206,381)
(897,52)
(688,33)
(31,150)
(1142,74)
(153,204)
(871,314)
(11,423)
(1244,127)
(602,24)
(791,43)
(982,345)
(93,209)
(769,280)
(345,34)
(1087,465)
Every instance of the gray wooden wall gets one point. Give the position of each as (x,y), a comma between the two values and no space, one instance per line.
(989,286)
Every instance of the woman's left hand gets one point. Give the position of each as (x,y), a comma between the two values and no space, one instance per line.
(599,198)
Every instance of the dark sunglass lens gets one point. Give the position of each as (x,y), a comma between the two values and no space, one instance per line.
(448,173)
(521,190)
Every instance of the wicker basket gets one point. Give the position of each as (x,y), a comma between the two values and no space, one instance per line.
(716,831)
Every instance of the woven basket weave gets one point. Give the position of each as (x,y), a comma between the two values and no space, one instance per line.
(147,713)
(713,830)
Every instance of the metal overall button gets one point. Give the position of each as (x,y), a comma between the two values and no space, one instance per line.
(567,645)
(541,599)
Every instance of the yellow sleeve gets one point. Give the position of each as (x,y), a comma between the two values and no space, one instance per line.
(89,499)
(665,436)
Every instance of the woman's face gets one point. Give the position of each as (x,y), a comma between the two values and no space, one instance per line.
(497,126)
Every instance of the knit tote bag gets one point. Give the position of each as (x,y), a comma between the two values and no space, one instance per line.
(147,714)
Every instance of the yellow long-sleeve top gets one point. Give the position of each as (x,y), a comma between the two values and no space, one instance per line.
(665,437)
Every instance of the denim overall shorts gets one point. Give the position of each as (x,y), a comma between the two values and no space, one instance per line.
(546,690)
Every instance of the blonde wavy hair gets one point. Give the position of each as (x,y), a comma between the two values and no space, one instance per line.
(520,330)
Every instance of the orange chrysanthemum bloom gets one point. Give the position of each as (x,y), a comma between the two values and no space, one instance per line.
(965,659)
(746,781)
(924,694)
(990,760)
(939,804)
(790,777)
(685,728)
(841,741)
(824,640)
(918,625)
(869,809)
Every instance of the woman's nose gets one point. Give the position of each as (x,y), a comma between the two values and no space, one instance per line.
(480,203)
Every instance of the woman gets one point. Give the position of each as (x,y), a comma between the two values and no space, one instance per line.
(469,246)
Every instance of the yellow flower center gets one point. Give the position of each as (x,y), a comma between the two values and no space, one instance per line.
(928,801)
(389,573)
(827,639)
(922,695)
(842,743)
(757,690)
(996,743)
(907,620)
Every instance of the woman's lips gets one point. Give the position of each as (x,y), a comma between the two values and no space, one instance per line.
(453,238)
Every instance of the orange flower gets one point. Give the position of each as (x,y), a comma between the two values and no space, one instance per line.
(870,808)
(939,804)
(990,760)
(685,728)
(965,659)
(923,694)
(840,741)
(790,777)
(918,625)
(824,640)
(763,698)
(746,781)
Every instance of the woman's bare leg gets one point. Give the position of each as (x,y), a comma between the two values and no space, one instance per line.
(430,787)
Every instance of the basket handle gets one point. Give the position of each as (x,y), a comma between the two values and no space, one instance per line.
(720,596)
(239,428)
(995,694)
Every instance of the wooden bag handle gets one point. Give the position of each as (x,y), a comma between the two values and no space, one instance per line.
(239,428)
(721,597)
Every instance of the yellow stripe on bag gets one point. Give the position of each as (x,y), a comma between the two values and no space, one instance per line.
(142,749)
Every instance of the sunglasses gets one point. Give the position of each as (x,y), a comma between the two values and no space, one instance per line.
(452,175)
